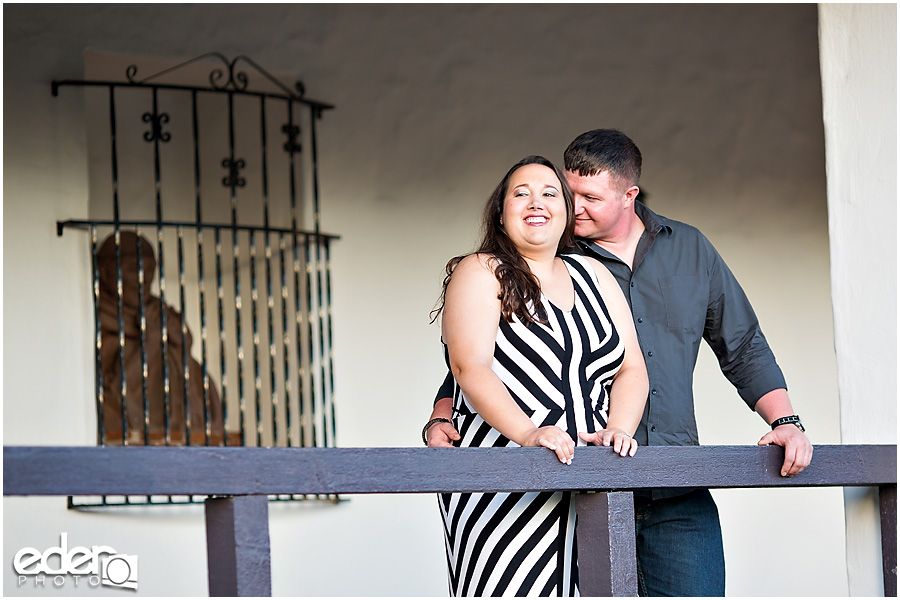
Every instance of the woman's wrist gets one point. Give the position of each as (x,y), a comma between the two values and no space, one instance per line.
(620,429)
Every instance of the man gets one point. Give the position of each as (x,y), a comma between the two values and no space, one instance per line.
(680,291)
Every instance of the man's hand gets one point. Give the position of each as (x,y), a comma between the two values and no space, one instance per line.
(797,449)
(442,435)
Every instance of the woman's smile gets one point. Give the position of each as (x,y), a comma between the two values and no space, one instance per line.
(537,220)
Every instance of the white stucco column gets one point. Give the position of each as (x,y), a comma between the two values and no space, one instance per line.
(858,51)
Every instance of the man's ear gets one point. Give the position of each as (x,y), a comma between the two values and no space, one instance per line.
(630,195)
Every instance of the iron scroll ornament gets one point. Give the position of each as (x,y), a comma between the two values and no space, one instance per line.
(234,179)
(156,123)
(236,80)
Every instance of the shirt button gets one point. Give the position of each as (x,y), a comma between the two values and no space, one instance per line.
(632,284)
(653,428)
(650,353)
(640,319)
(653,392)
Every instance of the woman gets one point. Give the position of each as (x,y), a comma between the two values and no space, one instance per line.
(543,351)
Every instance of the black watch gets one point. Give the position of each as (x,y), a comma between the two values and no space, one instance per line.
(791,420)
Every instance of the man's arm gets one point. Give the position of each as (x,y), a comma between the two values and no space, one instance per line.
(797,448)
(733,332)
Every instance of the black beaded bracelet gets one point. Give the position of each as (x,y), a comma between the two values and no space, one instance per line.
(429,424)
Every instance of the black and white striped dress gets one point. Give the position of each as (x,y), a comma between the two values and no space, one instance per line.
(524,543)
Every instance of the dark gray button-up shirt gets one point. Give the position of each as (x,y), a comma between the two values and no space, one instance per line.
(681,291)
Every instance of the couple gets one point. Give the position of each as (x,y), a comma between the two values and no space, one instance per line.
(543,351)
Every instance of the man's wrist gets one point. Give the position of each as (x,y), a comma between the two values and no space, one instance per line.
(789,420)
(429,424)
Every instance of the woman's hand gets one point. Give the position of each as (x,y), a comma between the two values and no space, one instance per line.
(555,439)
(622,443)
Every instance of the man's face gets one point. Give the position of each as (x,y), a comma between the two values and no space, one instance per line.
(600,204)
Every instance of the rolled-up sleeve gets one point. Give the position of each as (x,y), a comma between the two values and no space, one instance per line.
(733,332)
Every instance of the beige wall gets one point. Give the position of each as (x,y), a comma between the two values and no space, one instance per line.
(859,52)
(434,103)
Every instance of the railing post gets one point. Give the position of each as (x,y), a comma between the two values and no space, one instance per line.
(237,546)
(607,560)
(887,499)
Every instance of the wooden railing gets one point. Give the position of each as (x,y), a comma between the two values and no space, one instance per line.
(238,481)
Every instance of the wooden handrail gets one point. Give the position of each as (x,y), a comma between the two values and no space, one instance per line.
(238,480)
(141,470)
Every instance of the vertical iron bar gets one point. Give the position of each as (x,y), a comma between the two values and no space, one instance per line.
(98,337)
(316,114)
(320,310)
(220,300)
(123,388)
(185,351)
(270,301)
(330,339)
(236,250)
(143,318)
(200,275)
(285,342)
(313,416)
(254,301)
(160,263)
(121,310)
(254,318)
(298,320)
(143,321)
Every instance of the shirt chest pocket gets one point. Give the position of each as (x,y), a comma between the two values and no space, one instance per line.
(685,298)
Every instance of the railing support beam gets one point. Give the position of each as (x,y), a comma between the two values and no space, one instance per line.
(887,498)
(607,559)
(237,546)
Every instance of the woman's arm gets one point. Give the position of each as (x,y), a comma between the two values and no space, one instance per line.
(628,392)
(469,328)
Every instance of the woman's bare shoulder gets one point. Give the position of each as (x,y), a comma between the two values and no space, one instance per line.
(476,264)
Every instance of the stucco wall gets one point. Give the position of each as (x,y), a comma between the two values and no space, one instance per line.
(434,103)
(859,52)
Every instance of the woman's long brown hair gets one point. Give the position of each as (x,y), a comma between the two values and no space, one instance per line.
(520,293)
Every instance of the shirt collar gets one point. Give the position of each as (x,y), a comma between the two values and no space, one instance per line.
(653,225)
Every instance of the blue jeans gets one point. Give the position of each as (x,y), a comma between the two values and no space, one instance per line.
(679,546)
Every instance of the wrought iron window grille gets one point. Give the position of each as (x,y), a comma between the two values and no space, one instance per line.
(235,348)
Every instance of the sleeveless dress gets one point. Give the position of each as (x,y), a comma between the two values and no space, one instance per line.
(518,544)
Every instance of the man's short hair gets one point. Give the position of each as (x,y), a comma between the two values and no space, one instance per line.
(600,150)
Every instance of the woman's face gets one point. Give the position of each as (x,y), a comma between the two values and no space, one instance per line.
(534,209)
